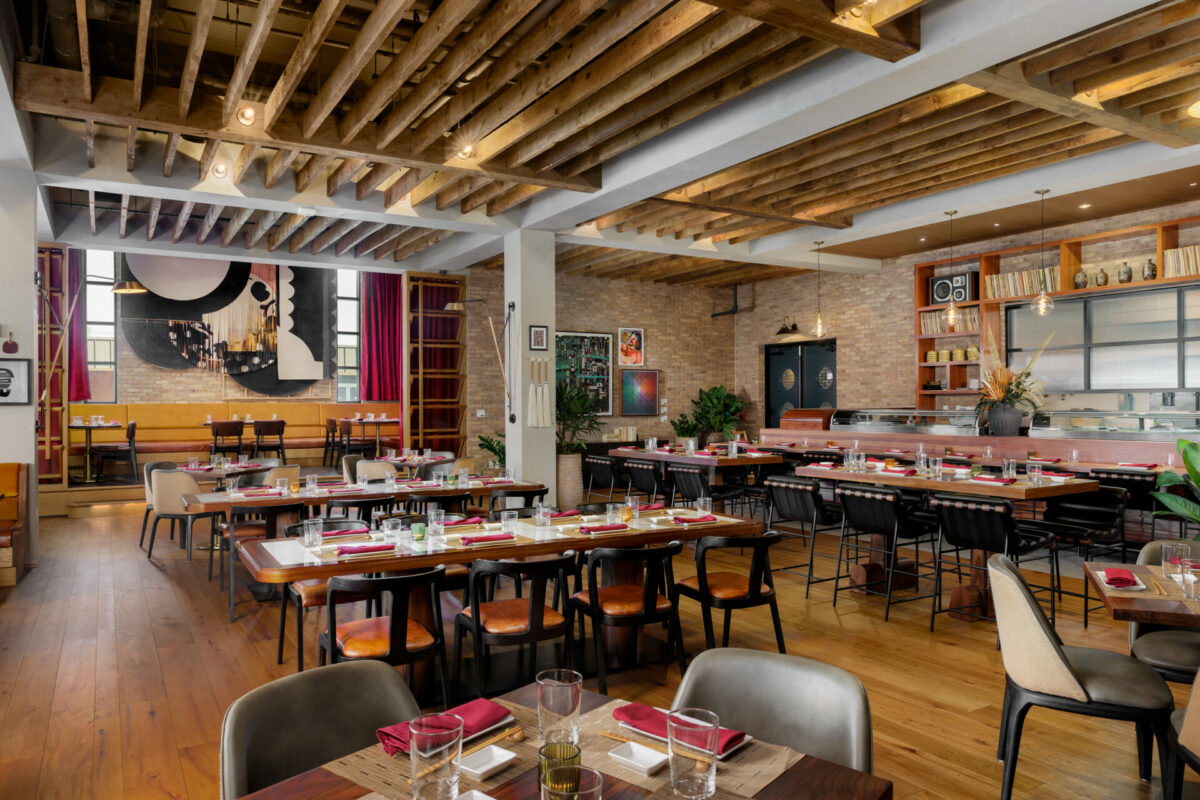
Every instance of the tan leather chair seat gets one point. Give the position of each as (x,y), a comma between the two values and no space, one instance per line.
(1115,678)
(315,591)
(369,638)
(246,529)
(724,585)
(1174,650)
(512,616)
(624,600)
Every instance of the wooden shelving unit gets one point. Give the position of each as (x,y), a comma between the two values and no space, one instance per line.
(434,401)
(52,377)
(1070,261)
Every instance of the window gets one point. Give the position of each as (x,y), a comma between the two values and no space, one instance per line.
(100,308)
(347,335)
(1136,341)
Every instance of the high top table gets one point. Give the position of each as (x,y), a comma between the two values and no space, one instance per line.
(377,422)
(87,428)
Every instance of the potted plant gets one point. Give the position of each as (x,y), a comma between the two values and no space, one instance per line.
(716,410)
(1179,504)
(1003,393)
(576,414)
(495,446)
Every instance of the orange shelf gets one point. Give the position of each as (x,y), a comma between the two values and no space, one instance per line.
(945,335)
(947,363)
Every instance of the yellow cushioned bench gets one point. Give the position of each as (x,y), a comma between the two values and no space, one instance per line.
(13,482)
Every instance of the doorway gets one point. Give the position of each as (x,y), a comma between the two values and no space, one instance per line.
(801,375)
(818,370)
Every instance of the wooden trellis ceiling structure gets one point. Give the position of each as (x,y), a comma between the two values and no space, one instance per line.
(1129,81)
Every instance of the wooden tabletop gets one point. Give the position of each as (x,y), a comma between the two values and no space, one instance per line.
(699,460)
(283,561)
(1021,490)
(222,473)
(380,420)
(811,778)
(967,456)
(206,502)
(1160,603)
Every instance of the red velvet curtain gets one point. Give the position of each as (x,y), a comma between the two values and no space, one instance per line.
(78,385)
(381,350)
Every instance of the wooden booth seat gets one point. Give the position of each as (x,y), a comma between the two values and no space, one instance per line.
(13,481)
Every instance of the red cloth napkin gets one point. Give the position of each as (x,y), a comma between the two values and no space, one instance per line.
(899,471)
(574,512)
(619,526)
(686,520)
(1041,460)
(651,507)
(467,521)
(1132,464)
(990,479)
(755,450)
(344,532)
(654,722)
(477,715)
(355,549)
(487,537)
(1119,578)
(874,460)
(1058,474)
(244,466)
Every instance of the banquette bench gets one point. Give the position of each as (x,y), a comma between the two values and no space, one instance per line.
(14,478)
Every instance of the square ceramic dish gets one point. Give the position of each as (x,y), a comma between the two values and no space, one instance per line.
(487,762)
(638,757)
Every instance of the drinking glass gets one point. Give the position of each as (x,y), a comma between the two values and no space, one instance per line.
(921,463)
(935,467)
(1008,467)
(1173,554)
(1169,460)
(614,513)
(633,506)
(692,735)
(542,515)
(312,533)
(1074,457)
(559,692)
(804,444)
(358,415)
(362,481)
(464,477)
(392,529)
(427,452)
(208,418)
(435,749)
(370,416)
(377,515)
(437,521)
(274,416)
(282,485)
(231,484)
(389,452)
(389,481)
(987,451)
(1034,471)
(235,417)
(849,461)
(243,459)
(310,484)
(557,754)
(651,444)
(920,447)
(572,783)
(508,521)
(193,463)
(689,447)
(731,449)
(1191,578)
(704,505)
(510,473)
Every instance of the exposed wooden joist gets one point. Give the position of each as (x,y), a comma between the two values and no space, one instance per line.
(377,28)
(201,23)
(342,175)
(375,176)
(392,242)
(332,234)
(85,55)
(124,215)
(312,169)
(207,155)
(260,27)
(309,232)
(89,142)
(355,236)
(139,59)
(278,165)
(130,148)
(209,222)
(1127,59)
(169,152)
(686,201)
(181,221)
(261,227)
(376,239)
(152,220)
(234,225)
(306,50)
(286,229)
(245,158)
(400,187)
(428,188)
(92,211)
(429,239)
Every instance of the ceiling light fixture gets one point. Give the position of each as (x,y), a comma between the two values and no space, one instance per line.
(922,238)
(951,314)
(466,152)
(245,115)
(128,287)
(1043,304)
(1194,109)
(1081,205)
(819,330)
(220,170)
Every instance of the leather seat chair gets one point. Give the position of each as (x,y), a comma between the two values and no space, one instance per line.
(268,437)
(118,451)
(645,477)
(297,723)
(350,468)
(375,470)
(1184,738)
(521,622)
(601,471)
(1093,522)
(226,437)
(792,499)
(168,488)
(424,503)
(258,478)
(814,708)
(691,483)
(1173,652)
(529,498)
(730,590)
(148,484)
(1141,485)
(1041,671)
(349,444)
(289,471)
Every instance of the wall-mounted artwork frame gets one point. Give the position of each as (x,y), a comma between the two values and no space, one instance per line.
(539,337)
(639,392)
(586,359)
(631,347)
(16,386)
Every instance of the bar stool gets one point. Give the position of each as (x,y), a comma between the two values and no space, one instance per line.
(602,470)
(1093,523)
(796,499)
(646,478)
(691,483)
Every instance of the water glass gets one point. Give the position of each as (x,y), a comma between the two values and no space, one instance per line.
(1190,574)
(920,447)
(542,515)
(1034,471)
(377,515)
(1173,555)
(651,444)
(1074,457)
(508,521)
(370,416)
(358,415)
(557,754)
(389,452)
(392,529)
(613,513)
(633,507)
(921,463)
(987,451)
(572,783)
(193,463)
(235,417)
(435,749)
(310,484)
(312,533)
(437,521)
(464,477)
(1169,460)
(559,692)
(1008,467)
(704,505)
(389,482)
(362,481)
(243,459)
(208,418)
(689,447)
(731,449)
(281,484)
(692,735)
(935,467)
(510,473)
(427,452)
(231,484)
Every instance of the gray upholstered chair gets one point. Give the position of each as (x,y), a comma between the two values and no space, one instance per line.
(1041,671)
(259,478)
(811,707)
(147,482)
(1185,745)
(374,470)
(285,727)
(1174,652)
(350,468)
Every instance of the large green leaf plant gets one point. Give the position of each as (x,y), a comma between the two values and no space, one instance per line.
(576,414)
(1181,505)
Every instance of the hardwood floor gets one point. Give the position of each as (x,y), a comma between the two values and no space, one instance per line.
(115,672)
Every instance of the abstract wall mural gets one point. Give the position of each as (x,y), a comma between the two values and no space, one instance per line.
(269,328)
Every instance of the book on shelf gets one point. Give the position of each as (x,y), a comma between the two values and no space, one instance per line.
(1181,261)
(1020,284)
(932,322)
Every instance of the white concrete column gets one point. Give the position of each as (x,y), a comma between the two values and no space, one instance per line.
(18,313)
(529,287)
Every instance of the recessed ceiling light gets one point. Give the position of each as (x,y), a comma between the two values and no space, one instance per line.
(466,152)
(1193,183)
(245,115)
(220,170)
(922,238)
(1085,205)
(995,224)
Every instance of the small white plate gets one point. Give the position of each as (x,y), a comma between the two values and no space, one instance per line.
(1137,588)
(639,758)
(1055,479)
(474,795)
(487,762)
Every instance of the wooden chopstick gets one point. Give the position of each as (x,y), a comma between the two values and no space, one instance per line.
(1157,589)
(656,747)
(488,742)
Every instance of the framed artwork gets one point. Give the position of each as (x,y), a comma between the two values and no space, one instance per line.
(631,347)
(15,386)
(585,359)
(639,392)
(538,337)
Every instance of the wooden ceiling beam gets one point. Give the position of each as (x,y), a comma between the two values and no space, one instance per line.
(1127,59)
(124,215)
(749,275)
(751,233)
(207,155)
(310,231)
(355,236)
(1118,89)
(375,176)
(428,240)
(245,158)
(169,152)
(675,228)
(368,244)
(277,166)
(1127,73)
(305,52)
(815,20)
(401,187)
(374,31)
(92,211)
(554,29)
(332,234)
(209,222)
(234,225)
(139,58)
(152,220)
(260,28)
(458,190)
(1007,81)
(500,192)
(261,227)
(201,23)
(313,168)
(85,55)
(428,188)
(342,175)
(685,201)
(436,29)
(389,245)
(181,221)
(289,226)
(1142,97)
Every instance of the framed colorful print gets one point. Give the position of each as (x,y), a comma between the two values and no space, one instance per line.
(15,386)
(639,392)
(631,343)
(539,337)
(585,359)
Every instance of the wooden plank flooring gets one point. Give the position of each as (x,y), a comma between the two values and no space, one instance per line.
(115,672)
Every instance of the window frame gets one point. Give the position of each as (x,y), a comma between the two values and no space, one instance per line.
(339,369)
(89,280)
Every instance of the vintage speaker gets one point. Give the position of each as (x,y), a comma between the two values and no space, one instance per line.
(961,288)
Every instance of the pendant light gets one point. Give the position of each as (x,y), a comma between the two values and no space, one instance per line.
(951,314)
(1043,304)
(819,331)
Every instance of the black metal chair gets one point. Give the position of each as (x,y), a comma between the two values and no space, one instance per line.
(118,451)
(1140,484)
(731,590)
(349,444)
(870,511)
(645,477)
(424,503)
(529,498)
(227,437)
(799,500)
(396,638)
(1095,524)
(512,622)
(329,449)
(691,483)
(601,470)
(651,602)
(268,438)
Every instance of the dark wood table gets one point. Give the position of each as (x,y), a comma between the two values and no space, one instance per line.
(810,778)
(377,422)
(699,459)
(87,428)
(1160,603)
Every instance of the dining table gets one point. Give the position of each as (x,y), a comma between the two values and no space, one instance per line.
(795,776)
(715,462)
(377,422)
(207,472)
(87,428)
(1155,600)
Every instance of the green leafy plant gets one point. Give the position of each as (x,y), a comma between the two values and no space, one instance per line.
(717,410)
(1188,508)
(685,427)
(494,445)
(576,414)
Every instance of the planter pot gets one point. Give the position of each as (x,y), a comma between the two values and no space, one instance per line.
(569,477)
(1005,421)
